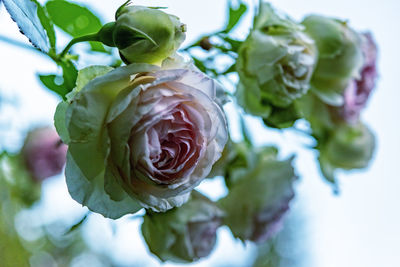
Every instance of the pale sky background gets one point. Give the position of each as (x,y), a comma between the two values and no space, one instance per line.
(358,228)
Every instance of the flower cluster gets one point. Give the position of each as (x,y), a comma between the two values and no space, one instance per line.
(321,70)
(146,134)
(282,63)
(144,131)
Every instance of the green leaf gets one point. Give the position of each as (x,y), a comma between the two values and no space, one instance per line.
(47,24)
(75,20)
(230,69)
(61,85)
(199,64)
(78,224)
(234,15)
(70,74)
(25,14)
(51,82)
(235,44)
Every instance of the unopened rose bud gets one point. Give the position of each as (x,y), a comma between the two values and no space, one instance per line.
(44,153)
(259,199)
(184,234)
(347,147)
(339,56)
(143,35)
(358,90)
(275,63)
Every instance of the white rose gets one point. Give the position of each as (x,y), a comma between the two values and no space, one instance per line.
(141,134)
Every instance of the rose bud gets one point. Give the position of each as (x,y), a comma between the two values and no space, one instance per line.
(325,118)
(358,90)
(143,34)
(44,153)
(275,63)
(259,199)
(347,147)
(183,234)
(140,136)
(339,57)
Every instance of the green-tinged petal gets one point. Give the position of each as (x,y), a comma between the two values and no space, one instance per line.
(112,184)
(329,97)
(317,113)
(251,103)
(340,56)
(59,121)
(85,75)
(92,193)
(267,17)
(328,34)
(88,136)
(89,73)
(120,127)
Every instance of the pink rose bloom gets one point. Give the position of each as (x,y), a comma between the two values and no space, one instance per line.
(44,153)
(357,92)
(141,136)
